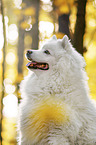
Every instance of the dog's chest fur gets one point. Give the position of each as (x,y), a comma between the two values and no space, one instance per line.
(46,117)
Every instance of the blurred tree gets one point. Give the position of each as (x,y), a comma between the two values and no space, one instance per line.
(80,26)
(20,47)
(64,24)
(35,32)
(63,8)
(28,25)
(3,66)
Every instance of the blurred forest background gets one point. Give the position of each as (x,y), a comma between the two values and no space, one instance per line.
(27,24)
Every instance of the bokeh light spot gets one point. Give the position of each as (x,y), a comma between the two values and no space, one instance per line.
(10,58)
(10,89)
(46,27)
(18,3)
(10,105)
(12,33)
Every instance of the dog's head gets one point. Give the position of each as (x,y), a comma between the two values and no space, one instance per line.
(55,54)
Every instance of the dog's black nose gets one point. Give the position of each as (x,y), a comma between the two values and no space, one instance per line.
(29,52)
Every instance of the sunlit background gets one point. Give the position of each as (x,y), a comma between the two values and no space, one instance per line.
(20,17)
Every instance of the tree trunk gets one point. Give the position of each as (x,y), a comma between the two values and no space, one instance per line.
(3,71)
(64,24)
(20,49)
(80,26)
(35,31)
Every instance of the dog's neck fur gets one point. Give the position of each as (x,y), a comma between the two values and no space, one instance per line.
(50,84)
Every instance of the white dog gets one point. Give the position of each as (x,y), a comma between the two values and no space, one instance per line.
(55,107)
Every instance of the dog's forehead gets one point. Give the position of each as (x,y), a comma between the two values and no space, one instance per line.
(49,45)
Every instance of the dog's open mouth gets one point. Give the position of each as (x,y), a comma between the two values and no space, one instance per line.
(37,65)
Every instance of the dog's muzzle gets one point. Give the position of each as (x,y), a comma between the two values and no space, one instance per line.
(28,54)
(35,65)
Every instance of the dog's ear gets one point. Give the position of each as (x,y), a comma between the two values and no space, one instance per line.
(54,37)
(65,41)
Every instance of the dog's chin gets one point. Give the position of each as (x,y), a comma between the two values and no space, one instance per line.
(39,72)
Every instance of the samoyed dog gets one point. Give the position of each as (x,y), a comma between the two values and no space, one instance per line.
(56,108)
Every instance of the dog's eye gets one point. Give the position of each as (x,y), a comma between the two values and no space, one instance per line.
(47,52)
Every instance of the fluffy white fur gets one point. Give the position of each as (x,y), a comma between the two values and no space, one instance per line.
(66,80)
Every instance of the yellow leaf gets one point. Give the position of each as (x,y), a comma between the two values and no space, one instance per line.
(19,77)
(24,25)
(59,35)
(59,2)
(29,11)
(17,11)
(28,40)
(63,2)
(63,9)
(23,5)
